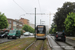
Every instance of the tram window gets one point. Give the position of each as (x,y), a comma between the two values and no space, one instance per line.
(40,31)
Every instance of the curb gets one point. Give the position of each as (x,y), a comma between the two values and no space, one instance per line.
(50,44)
(70,44)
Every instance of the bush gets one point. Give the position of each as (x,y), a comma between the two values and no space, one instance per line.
(21,32)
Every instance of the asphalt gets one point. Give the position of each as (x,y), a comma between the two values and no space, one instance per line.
(2,40)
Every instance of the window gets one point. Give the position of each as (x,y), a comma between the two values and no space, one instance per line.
(9,21)
(40,30)
(20,25)
(14,24)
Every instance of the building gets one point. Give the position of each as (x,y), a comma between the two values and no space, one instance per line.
(24,21)
(14,24)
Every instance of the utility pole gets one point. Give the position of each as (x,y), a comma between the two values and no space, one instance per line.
(35,22)
(35,18)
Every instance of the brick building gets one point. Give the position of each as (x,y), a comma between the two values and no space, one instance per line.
(24,21)
(14,24)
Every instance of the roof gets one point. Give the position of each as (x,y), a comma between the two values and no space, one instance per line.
(15,20)
(23,18)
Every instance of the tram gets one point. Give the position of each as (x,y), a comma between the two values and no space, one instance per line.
(41,32)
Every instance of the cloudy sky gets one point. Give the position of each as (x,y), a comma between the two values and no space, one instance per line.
(14,11)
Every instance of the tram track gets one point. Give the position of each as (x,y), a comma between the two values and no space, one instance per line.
(30,45)
(35,45)
(42,47)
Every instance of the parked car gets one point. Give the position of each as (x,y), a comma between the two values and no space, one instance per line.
(14,34)
(3,35)
(31,34)
(52,34)
(26,33)
(60,36)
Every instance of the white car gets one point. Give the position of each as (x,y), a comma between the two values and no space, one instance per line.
(26,33)
(31,34)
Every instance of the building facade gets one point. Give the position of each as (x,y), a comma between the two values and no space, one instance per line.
(14,24)
(24,21)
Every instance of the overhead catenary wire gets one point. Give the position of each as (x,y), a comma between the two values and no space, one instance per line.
(20,6)
(39,5)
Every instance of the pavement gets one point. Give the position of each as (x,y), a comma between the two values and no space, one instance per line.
(22,36)
(2,40)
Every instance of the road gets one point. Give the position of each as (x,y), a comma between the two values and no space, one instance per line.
(2,40)
(59,45)
(22,36)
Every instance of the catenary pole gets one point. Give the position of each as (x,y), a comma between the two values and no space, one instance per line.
(35,22)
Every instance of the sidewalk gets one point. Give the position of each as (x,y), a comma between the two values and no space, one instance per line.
(70,40)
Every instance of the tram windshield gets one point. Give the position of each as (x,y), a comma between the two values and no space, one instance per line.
(40,30)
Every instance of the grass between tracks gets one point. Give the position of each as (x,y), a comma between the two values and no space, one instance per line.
(45,45)
(36,45)
(19,44)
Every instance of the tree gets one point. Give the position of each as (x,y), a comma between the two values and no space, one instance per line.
(3,21)
(70,23)
(28,28)
(53,28)
(61,14)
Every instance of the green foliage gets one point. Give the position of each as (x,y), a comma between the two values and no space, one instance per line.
(61,14)
(70,23)
(53,28)
(21,32)
(3,21)
(28,28)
